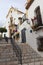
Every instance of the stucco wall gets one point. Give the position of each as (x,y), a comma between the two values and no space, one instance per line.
(31,37)
(24,25)
(15,16)
(32,8)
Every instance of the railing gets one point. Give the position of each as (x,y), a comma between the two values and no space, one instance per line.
(18,50)
(5,40)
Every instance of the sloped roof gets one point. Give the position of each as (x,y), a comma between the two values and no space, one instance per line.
(28,4)
(15,9)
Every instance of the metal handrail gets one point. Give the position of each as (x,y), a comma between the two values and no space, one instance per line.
(18,50)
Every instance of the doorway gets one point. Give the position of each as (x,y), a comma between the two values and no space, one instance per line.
(23,35)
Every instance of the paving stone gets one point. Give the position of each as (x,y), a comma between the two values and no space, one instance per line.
(28,55)
(41,62)
(31,63)
(32,56)
(37,63)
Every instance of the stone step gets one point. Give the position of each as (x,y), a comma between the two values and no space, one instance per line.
(8,55)
(9,63)
(29,55)
(8,59)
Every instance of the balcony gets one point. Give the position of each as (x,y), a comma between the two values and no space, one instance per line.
(28,4)
(34,23)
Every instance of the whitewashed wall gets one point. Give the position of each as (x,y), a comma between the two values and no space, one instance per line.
(33,6)
(31,37)
(15,16)
(24,25)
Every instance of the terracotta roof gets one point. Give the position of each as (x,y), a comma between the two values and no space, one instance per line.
(28,4)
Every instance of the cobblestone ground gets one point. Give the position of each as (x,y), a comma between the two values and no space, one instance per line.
(29,55)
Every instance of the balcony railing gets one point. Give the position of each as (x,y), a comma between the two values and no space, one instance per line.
(34,27)
(34,23)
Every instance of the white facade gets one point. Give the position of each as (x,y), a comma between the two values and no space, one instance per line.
(32,8)
(31,37)
(15,13)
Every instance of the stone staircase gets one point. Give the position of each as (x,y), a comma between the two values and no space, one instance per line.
(30,56)
(5,40)
(7,55)
(21,54)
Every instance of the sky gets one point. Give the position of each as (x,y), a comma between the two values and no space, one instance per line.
(19,4)
(5,6)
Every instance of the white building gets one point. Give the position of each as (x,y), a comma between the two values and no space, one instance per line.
(27,35)
(31,13)
(15,14)
(32,7)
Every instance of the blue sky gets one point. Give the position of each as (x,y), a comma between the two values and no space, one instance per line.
(6,4)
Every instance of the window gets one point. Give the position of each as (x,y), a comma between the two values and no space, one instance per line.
(24,17)
(38,15)
(11,19)
(40,43)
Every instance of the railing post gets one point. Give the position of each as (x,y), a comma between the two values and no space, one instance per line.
(18,50)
